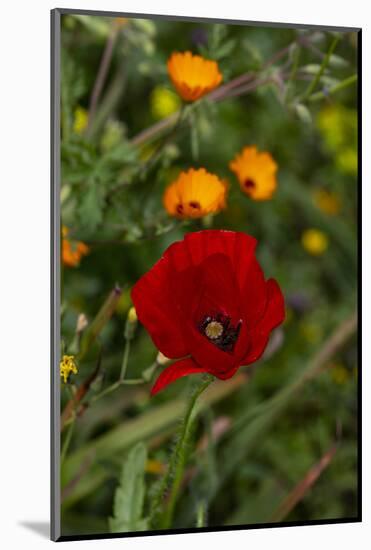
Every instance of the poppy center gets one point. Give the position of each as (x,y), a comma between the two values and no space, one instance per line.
(180,209)
(213,330)
(194,204)
(220,331)
(249,183)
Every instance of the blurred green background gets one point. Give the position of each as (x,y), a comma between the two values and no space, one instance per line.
(111,199)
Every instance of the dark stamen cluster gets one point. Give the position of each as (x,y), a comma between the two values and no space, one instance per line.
(228,338)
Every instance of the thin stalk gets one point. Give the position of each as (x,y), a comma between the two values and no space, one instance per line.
(115,386)
(344,84)
(219,94)
(67,441)
(178,457)
(103,316)
(102,74)
(293,71)
(313,85)
(156,155)
(125,360)
(201,513)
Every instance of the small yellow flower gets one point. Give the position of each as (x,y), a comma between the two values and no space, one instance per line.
(80,120)
(164,102)
(192,75)
(326,201)
(314,241)
(347,161)
(72,251)
(194,194)
(256,173)
(67,366)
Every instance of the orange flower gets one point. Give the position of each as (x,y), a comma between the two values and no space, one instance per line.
(192,75)
(256,173)
(72,251)
(194,194)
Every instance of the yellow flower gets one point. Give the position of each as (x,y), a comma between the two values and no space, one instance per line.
(338,126)
(314,241)
(80,120)
(67,366)
(194,194)
(347,161)
(326,201)
(164,102)
(72,251)
(256,173)
(192,75)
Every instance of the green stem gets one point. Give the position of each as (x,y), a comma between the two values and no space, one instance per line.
(344,84)
(201,514)
(103,316)
(178,458)
(125,359)
(67,441)
(313,84)
(102,74)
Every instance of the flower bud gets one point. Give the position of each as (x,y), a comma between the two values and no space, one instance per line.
(161,359)
(82,323)
(131,324)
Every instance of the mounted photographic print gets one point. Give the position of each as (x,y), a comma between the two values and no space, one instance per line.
(204,280)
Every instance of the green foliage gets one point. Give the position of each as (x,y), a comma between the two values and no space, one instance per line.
(129,496)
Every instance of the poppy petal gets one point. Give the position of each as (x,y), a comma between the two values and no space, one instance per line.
(273,316)
(199,245)
(212,359)
(220,292)
(254,294)
(180,368)
(157,310)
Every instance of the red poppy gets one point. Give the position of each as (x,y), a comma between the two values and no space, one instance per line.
(206,304)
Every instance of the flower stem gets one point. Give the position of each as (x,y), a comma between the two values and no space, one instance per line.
(201,513)
(178,457)
(313,84)
(125,359)
(340,86)
(67,441)
(102,74)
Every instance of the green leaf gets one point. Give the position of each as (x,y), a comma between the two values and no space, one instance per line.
(312,68)
(129,496)
(91,206)
(337,61)
(225,49)
(303,113)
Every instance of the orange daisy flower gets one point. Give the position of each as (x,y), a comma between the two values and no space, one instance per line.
(72,251)
(192,75)
(194,194)
(256,173)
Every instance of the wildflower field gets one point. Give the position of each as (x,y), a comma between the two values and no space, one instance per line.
(208,275)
